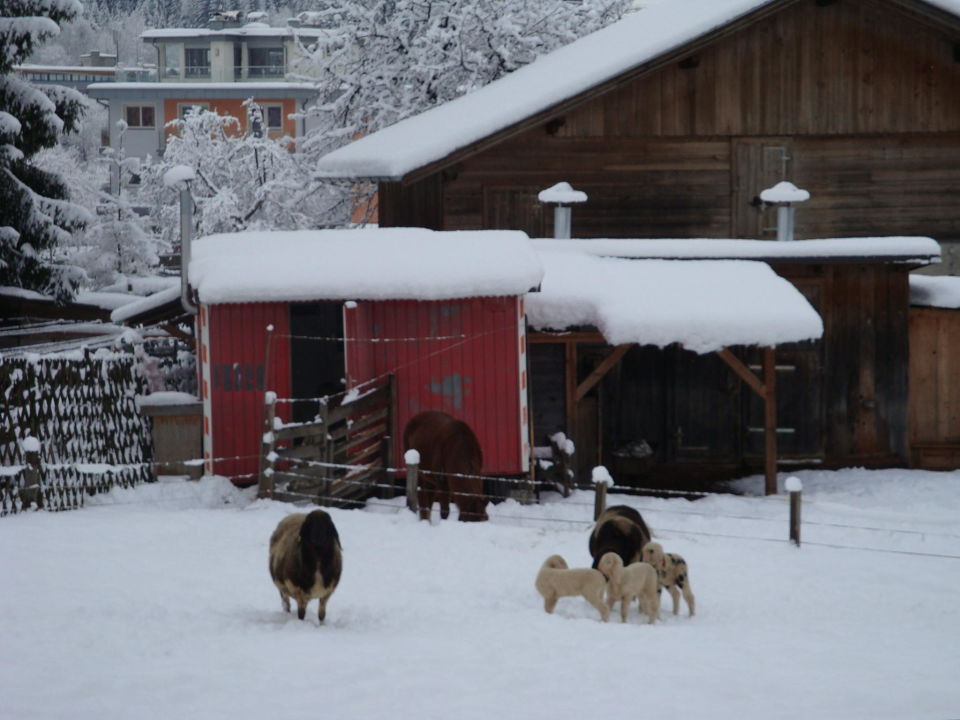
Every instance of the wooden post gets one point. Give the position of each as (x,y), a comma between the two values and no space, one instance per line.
(412,460)
(770,420)
(794,487)
(601,481)
(599,500)
(388,477)
(267,449)
(32,490)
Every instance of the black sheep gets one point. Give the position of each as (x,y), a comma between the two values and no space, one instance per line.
(619,529)
(306,560)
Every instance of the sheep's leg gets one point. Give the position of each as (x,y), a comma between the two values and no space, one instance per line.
(624,607)
(322,612)
(425,498)
(675,596)
(302,606)
(549,603)
(600,605)
(688,596)
(444,497)
(285,601)
(650,607)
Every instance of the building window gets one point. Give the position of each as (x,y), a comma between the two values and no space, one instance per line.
(266,62)
(270,115)
(140,116)
(192,108)
(196,62)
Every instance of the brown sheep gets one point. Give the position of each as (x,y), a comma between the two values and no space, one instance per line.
(619,529)
(636,580)
(555,580)
(672,573)
(306,560)
(447,445)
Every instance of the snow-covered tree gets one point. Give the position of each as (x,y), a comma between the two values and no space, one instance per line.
(384,60)
(243,181)
(36,212)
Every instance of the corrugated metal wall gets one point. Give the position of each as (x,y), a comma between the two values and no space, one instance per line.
(459,356)
(235,375)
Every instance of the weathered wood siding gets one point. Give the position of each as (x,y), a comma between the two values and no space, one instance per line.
(935,387)
(855,101)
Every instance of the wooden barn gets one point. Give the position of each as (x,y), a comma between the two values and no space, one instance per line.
(316,314)
(673,121)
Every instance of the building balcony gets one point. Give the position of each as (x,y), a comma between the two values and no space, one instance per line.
(260,72)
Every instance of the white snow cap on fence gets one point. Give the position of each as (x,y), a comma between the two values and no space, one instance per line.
(601,475)
(564,443)
(178,174)
(562,193)
(411,457)
(363,264)
(784,192)
(30,444)
(793,484)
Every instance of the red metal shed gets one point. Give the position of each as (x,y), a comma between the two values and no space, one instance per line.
(464,356)
(442,312)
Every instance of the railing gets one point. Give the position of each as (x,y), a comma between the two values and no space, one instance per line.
(196,71)
(251,72)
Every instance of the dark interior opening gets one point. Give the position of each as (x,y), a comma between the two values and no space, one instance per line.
(316,354)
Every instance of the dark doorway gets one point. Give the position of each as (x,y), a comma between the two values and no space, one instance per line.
(316,352)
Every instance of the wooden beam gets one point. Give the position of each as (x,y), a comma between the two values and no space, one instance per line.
(600,370)
(570,383)
(770,420)
(745,373)
(566,337)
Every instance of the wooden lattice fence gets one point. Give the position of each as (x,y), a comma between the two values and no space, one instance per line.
(81,408)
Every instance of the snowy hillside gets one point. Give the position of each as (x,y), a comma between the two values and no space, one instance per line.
(156,603)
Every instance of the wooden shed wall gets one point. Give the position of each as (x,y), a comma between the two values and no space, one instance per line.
(853,100)
(935,387)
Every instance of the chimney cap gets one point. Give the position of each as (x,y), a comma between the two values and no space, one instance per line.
(784,192)
(562,194)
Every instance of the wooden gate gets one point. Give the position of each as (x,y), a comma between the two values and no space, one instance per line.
(340,458)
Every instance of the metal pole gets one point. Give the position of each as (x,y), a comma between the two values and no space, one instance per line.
(186,233)
(795,488)
(561,222)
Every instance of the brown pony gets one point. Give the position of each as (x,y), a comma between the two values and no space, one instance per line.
(447,445)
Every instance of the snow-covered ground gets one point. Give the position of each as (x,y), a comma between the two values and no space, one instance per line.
(156,603)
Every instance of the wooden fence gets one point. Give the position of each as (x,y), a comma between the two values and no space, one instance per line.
(80,411)
(340,458)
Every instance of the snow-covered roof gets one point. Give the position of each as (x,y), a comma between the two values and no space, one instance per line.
(919,250)
(641,37)
(143,305)
(362,264)
(160,88)
(941,291)
(250,30)
(704,305)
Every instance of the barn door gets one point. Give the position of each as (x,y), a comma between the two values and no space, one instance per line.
(758,163)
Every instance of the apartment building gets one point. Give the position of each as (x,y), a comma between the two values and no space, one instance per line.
(216,68)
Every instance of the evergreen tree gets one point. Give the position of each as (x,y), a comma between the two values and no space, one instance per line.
(35,213)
